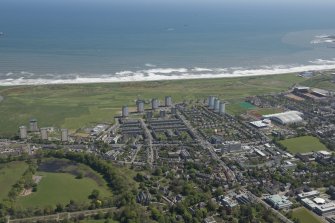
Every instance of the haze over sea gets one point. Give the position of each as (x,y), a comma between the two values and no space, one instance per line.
(81,41)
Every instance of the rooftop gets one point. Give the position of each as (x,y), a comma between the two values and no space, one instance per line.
(286,117)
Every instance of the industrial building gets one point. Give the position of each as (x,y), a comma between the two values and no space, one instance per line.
(278,202)
(140,106)
(309,194)
(44,133)
(261,123)
(285,118)
(33,127)
(319,205)
(23,132)
(64,135)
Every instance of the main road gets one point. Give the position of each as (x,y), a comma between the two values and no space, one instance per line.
(206,145)
(149,139)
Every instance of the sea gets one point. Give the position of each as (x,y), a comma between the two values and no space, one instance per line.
(82,41)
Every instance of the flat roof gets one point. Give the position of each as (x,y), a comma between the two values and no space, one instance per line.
(259,124)
(308,194)
(319,200)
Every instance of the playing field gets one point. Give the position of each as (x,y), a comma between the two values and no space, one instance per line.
(10,173)
(60,188)
(303,144)
(305,216)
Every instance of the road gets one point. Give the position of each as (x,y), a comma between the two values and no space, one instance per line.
(135,155)
(206,145)
(149,139)
(61,216)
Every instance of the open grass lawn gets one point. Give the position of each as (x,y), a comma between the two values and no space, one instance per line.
(10,173)
(268,111)
(76,106)
(303,144)
(305,216)
(57,188)
(237,107)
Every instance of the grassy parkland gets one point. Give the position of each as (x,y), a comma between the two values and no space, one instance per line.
(60,188)
(303,144)
(9,175)
(305,216)
(62,181)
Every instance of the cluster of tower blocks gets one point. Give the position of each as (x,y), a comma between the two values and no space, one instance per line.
(215,104)
(33,127)
(154,106)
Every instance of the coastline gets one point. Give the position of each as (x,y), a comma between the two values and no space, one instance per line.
(75,106)
(167,74)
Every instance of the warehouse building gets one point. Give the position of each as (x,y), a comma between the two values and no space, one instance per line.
(285,118)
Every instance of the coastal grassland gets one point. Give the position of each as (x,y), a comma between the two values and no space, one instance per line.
(305,216)
(303,144)
(325,81)
(76,106)
(60,188)
(10,173)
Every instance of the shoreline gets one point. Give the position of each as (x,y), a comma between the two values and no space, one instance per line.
(160,74)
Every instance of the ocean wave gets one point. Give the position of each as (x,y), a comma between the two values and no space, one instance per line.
(150,65)
(200,69)
(320,39)
(25,78)
(323,62)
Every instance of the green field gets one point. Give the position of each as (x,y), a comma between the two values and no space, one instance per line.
(10,173)
(246,105)
(305,216)
(76,106)
(303,144)
(268,111)
(60,188)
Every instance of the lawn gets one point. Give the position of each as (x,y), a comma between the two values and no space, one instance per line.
(60,188)
(303,144)
(268,111)
(236,107)
(305,216)
(10,173)
(76,106)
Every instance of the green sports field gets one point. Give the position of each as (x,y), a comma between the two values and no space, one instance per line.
(60,188)
(10,173)
(305,216)
(303,144)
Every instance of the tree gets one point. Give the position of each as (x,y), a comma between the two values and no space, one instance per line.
(211,206)
(94,195)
